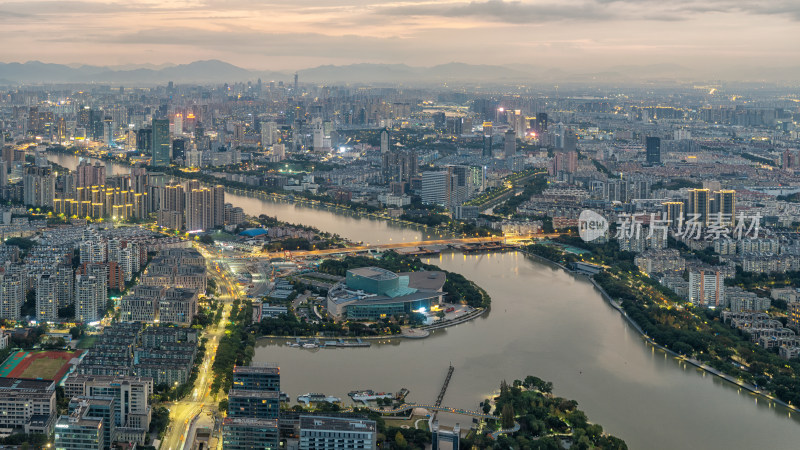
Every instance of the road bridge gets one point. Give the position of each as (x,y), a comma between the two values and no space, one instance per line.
(397,245)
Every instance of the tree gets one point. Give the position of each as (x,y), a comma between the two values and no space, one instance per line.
(223,405)
(207,239)
(400,440)
(507,417)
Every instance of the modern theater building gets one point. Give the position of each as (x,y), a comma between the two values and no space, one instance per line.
(371,293)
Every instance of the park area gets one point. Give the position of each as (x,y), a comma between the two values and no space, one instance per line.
(38,365)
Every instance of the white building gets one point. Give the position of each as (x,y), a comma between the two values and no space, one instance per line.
(90,298)
(707,288)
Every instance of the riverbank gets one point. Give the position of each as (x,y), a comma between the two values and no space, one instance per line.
(698,364)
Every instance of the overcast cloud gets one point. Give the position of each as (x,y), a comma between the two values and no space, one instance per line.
(271,35)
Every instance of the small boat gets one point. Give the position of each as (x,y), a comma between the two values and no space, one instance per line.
(316,397)
(310,345)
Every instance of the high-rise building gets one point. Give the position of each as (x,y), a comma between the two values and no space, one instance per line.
(439,121)
(541,123)
(385,144)
(487,140)
(699,204)
(725,204)
(674,212)
(178,124)
(253,409)
(707,288)
(435,187)
(205,208)
(269,131)
(162,145)
(90,174)
(12,295)
(39,185)
(218,193)
(179,148)
(90,298)
(653,149)
(46,298)
(173,207)
(510,144)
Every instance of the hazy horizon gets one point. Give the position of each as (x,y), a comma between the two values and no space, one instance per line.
(571,35)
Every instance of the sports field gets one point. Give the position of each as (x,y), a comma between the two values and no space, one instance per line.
(38,364)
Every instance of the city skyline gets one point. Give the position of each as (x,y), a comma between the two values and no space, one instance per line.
(580,36)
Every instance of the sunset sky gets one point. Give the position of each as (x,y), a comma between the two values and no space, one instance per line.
(268,35)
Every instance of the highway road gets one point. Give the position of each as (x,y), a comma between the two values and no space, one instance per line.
(183,412)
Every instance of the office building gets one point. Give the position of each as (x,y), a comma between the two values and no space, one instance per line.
(487,140)
(245,433)
(80,431)
(436,187)
(254,378)
(96,408)
(510,144)
(253,408)
(653,150)
(162,144)
(385,143)
(331,433)
(258,404)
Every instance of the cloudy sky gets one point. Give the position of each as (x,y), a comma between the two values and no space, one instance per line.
(295,34)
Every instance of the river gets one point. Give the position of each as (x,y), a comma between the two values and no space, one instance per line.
(543,322)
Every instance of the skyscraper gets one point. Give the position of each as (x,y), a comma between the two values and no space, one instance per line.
(510,144)
(699,204)
(162,146)
(487,140)
(725,204)
(653,148)
(385,141)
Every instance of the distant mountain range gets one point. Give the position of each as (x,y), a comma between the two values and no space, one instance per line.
(214,71)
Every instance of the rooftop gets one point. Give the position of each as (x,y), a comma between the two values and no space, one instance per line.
(336,424)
